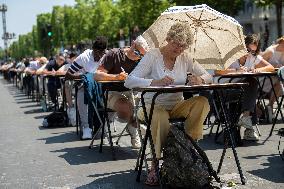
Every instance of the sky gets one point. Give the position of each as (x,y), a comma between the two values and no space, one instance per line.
(21,14)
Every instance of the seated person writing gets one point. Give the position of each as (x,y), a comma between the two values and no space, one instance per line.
(275,56)
(86,62)
(165,66)
(251,62)
(54,82)
(71,111)
(116,65)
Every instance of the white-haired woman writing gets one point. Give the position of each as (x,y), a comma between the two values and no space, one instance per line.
(169,65)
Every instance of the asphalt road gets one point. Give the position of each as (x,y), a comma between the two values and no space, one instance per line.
(34,157)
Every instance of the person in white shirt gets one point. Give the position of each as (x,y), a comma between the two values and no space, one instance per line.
(87,62)
(275,56)
(251,62)
(164,66)
(71,111)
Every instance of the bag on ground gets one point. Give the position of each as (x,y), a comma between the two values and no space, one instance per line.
(184,166)
(55,119)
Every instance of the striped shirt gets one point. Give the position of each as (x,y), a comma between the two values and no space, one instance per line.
(84,63)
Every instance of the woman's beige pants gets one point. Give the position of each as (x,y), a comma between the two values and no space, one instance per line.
(194,110)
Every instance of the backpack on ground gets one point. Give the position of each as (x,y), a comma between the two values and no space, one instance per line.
(185,164)
(55,119)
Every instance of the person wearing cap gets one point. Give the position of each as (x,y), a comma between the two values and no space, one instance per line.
(116,65)
(87,62)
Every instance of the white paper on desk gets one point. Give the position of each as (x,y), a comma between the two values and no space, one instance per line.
(176,85)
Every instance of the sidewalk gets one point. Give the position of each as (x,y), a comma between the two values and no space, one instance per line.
(34,157)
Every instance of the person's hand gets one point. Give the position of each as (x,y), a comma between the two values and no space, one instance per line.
(256,70)
(163,82)
(243,69)
(121,76)
(194,80)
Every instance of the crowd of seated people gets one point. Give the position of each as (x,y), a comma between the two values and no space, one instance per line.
(140,66)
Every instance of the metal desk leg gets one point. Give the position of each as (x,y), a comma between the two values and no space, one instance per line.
(231,138)
(148,135)
(275,119)
(76,107)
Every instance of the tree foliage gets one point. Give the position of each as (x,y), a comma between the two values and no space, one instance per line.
(71,25)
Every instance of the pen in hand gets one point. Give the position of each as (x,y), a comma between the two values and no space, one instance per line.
(122,69)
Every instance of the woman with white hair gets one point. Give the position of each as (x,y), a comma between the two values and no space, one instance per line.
(169,65)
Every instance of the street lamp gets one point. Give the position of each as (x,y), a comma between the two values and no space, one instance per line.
(266,32)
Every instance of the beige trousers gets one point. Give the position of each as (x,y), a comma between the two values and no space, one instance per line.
(194,110)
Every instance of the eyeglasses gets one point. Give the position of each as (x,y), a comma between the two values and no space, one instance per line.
(179,45)
(138,53)
(253,52)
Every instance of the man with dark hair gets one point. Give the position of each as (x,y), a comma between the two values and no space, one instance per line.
(116,65)
(54,82)
(87,62)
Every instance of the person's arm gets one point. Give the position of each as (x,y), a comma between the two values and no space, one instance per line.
(198,74)
(49,70)
(40,70)
(137,78)
(30,70)
(267,54)
(102,75)
(62,70)
(263,66)
(73,71)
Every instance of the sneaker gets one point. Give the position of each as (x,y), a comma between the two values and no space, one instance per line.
(87,133)
(135,140)
(71,112)
(135,143)
(143,129)
(250,134)
(245,121)
(269,114)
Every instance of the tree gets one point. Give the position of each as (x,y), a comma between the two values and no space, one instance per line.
(278,5)
(44,43)
(230,7)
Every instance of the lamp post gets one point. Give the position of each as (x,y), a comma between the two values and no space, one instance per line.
(266,32)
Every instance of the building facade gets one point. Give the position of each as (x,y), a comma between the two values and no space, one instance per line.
(259,20)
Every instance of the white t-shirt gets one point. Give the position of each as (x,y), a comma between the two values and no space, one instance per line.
(277,58)
(151,67)
(250,63)
(34,65)
(85,63)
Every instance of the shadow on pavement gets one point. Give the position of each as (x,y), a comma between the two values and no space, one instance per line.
(24,101)
(273,170)
(39,110)
(30,106)
(62,138)
(121,179)
(40,117)
(84,155)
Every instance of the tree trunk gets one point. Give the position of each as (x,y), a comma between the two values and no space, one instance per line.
(278,5)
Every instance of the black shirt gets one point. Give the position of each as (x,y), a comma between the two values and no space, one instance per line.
(115,59)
